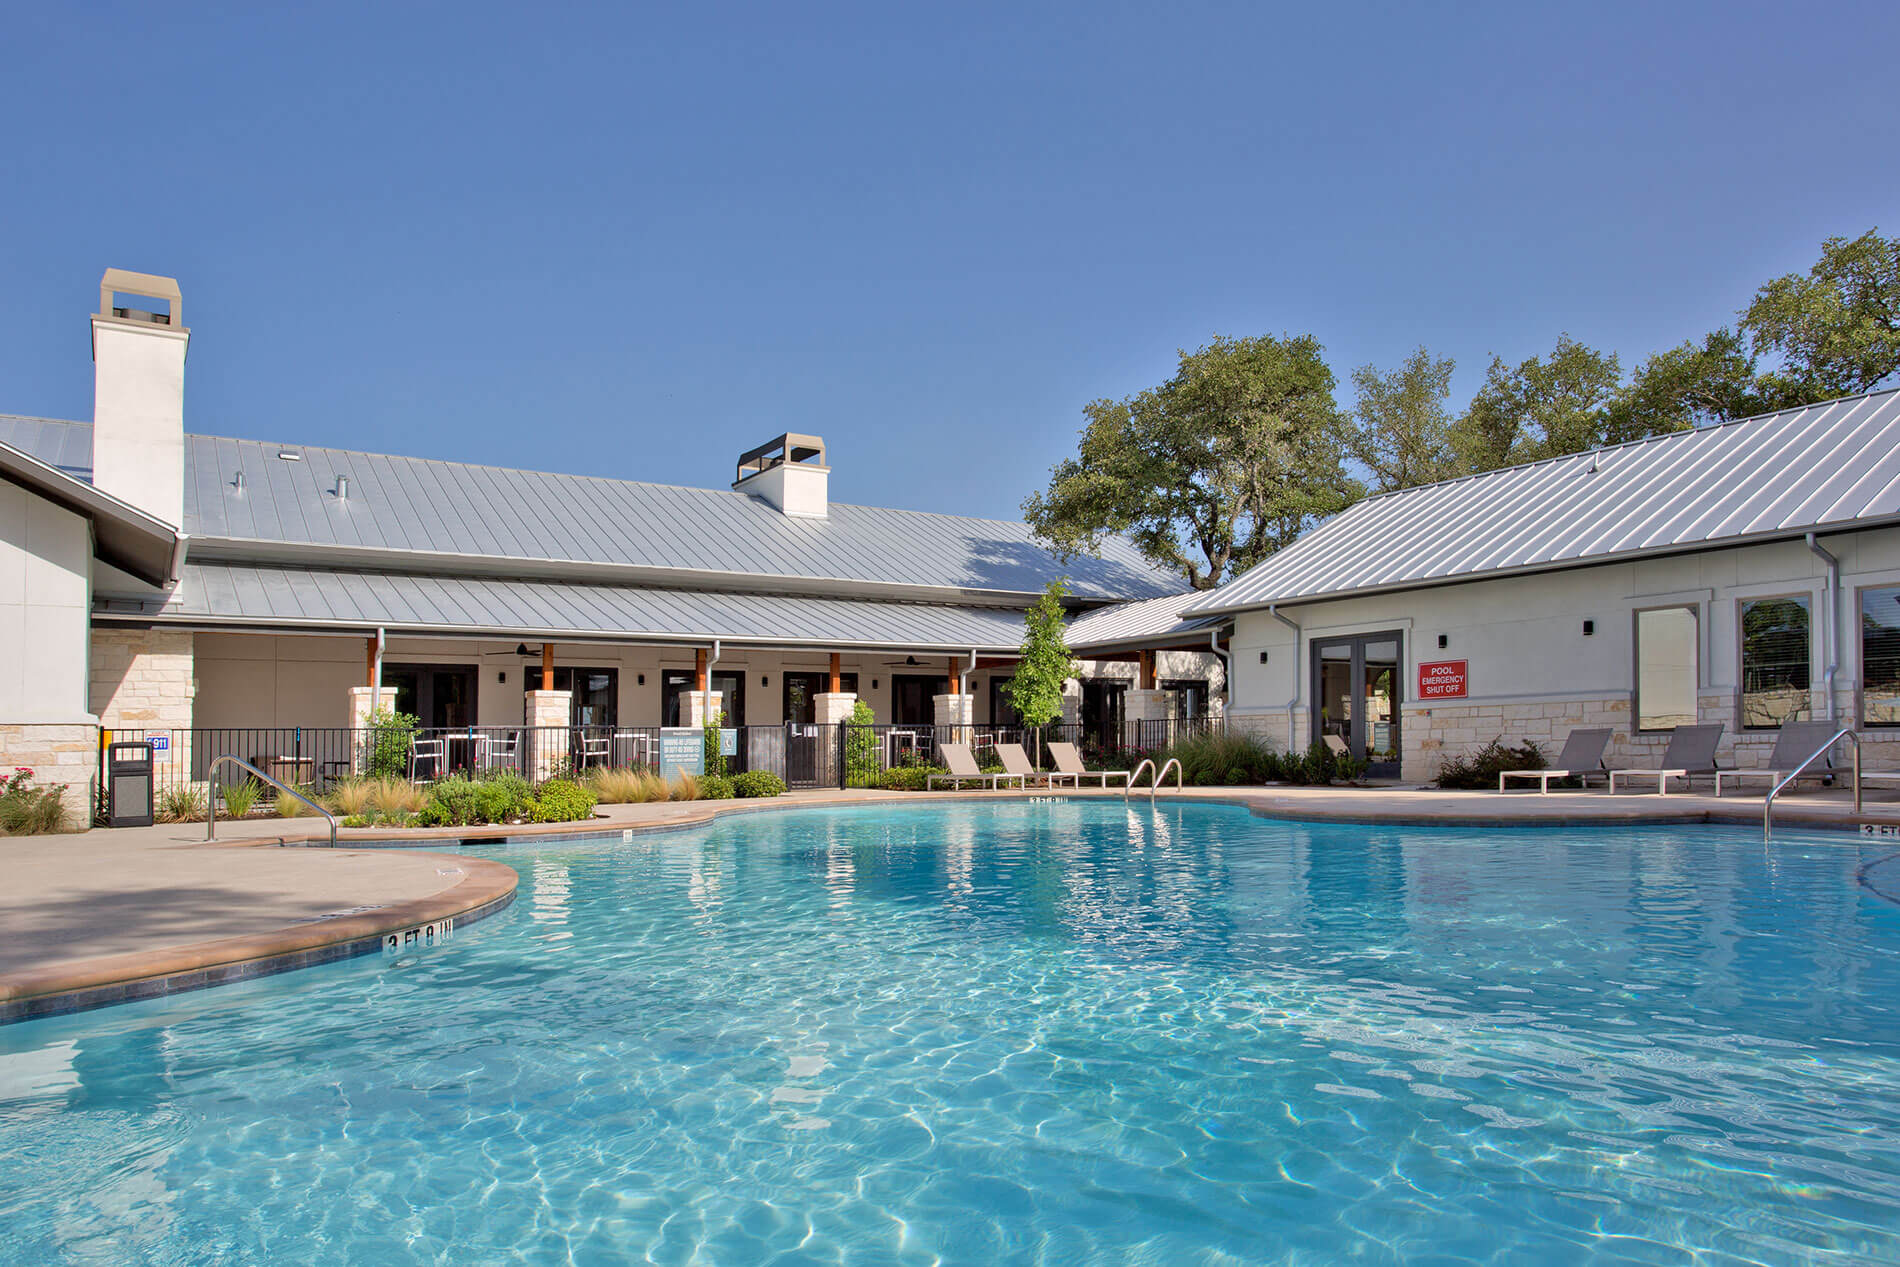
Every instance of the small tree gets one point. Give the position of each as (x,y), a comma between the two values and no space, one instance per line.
(860,746)
(1046,665)
(714,748)
(386,741)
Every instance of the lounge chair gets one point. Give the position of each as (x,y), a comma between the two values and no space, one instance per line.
(1582,758)
(1016,761)
(1691,752)
(963,770)
(1069,766)
(1795,742)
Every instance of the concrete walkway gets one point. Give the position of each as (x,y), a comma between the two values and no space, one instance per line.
(79,912)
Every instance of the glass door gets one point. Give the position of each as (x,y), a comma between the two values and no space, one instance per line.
(1357,694)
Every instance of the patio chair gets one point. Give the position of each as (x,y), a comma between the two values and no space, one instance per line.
(428,759)
(1795,742)
(1581,759)
(496,750)
(1016,761)
(963,770)
(592,749)
(1069,766)
(1337,744)
(1691,752)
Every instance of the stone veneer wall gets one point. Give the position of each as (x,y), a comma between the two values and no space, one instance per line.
(57,753)
(145,680)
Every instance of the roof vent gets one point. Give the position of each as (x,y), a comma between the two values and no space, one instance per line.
(343,488)
(790,474)
(237,482)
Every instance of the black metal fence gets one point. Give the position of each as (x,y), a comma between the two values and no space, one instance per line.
(804,755)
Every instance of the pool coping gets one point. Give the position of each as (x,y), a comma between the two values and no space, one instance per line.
(487,887)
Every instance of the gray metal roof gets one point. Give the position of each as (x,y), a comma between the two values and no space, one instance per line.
(337,600)
(1149,623)
(66,446)
(122,535)
(1827,467)
(424,514)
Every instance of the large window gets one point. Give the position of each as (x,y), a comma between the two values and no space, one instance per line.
(1880,657)
(1775,650)
(1666,668)
(596,692)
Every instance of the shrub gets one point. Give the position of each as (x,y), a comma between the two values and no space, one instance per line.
(714,755)
(26,810)
(241,798)
(180,803)
(562,801)
(860,747)
(386,737)
(350,798)
(715,787)
(909,778)
(684,787)
(757,783)
(357,820)
(1480,769)
(459,801)
(396,797)
(288,806)
(1216,758)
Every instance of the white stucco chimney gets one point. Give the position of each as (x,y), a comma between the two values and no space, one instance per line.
(138,394)
(790,474)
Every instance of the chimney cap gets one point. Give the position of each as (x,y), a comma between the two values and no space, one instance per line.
(790,448)
(122,281)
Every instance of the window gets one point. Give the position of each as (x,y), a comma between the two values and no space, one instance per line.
(1880,657)
(1775,651)
(1666,668)
(1189,697)
(596,692)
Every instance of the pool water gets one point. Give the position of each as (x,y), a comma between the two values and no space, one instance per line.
(1055,1032)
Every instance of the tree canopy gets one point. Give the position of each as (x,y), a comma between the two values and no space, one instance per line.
(1211,471)
(1401,429)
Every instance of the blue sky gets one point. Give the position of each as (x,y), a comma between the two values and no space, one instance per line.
(635,241)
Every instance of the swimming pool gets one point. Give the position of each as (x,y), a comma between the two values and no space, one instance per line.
(1055,1031)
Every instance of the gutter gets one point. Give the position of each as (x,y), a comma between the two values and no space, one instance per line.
(1292,743)
(1833,591)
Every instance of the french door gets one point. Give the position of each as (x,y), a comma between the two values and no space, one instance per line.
(1357,693)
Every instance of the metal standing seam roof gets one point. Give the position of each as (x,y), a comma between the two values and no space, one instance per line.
(430,507)
(319,600)
(123,535)
(1149,622)
(1826,467)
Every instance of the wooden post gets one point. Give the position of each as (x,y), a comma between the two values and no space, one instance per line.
(1147,670)
(837,673)
(699,670)
(956,676)
(369,665)
(547,666)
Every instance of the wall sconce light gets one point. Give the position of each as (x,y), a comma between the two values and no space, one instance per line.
(1263,657)
(874,684)
(642,678)
(1443,642)
(1589,627)
(502,676)
(764,680)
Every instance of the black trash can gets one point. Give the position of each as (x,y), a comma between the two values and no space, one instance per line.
(129,784)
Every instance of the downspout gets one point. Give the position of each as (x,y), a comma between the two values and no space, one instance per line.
(1833,591)
(1292,738)
(1226,664)
(382,639)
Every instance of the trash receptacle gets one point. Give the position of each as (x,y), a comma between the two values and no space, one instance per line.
(129,784)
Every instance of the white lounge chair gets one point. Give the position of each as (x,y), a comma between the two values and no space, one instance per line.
(1069,766)
(963,770)
(1691,751)
(1795,742)
(1582,758)
(1016,761)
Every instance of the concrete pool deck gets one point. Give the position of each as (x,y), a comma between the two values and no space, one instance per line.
(110,915)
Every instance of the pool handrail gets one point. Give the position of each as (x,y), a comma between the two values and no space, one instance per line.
(1155,776)
(1768,806)
(211,794)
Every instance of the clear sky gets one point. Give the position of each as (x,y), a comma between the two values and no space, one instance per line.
(635,240)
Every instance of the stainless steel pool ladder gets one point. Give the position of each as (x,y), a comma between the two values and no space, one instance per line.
(1768,806)
(211,795)
(1157,776)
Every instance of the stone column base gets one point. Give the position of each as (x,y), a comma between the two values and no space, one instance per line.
(550,738)
(365,701)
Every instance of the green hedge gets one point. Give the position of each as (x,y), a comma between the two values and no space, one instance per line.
(757,783)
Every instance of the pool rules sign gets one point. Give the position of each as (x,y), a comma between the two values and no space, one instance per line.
(1441,679)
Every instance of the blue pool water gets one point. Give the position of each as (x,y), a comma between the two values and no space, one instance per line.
(1052,1032)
